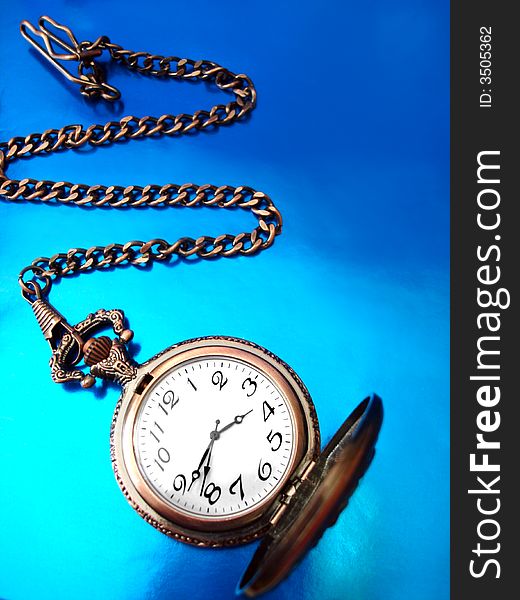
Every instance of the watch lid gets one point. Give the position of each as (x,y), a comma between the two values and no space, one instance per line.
(318,500)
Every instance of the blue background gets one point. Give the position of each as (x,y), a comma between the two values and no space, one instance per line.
(350,138)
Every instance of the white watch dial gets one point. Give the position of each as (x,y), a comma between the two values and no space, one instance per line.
(214,437)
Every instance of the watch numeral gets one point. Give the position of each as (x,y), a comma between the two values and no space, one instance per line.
(274,436)
(268,410)
(179,483)
(250,384)
(164,456)
(219,379)
(264,471)
(168,402)
(153,434)
(212,493)
(232,487)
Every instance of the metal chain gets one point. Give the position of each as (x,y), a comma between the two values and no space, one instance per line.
(36,279)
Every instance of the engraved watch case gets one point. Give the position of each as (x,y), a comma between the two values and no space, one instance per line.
(162,515)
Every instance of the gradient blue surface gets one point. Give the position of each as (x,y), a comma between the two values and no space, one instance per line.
(350,138)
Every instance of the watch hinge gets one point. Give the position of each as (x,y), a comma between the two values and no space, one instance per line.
(289,492)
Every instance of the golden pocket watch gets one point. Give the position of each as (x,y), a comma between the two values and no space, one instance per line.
(215,440)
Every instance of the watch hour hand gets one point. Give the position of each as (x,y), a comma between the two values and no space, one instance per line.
(240,418)
(236,421)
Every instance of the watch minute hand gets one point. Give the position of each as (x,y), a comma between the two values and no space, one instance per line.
(207,453)
(214,435)
(196,474)
(207,467)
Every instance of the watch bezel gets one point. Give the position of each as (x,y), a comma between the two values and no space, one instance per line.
(164,516)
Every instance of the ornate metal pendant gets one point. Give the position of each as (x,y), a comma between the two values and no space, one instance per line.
(215,441)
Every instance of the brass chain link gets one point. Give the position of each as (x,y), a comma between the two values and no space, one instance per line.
(42,271)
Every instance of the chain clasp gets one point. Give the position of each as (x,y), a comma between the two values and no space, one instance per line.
(47,40)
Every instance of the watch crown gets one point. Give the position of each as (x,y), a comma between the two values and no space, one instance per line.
(96,349)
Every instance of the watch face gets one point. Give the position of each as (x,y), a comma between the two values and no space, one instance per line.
(210,439)
(214,437)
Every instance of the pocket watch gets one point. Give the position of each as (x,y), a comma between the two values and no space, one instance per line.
(215,441)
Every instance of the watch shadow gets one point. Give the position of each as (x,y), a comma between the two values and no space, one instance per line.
(217,574)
